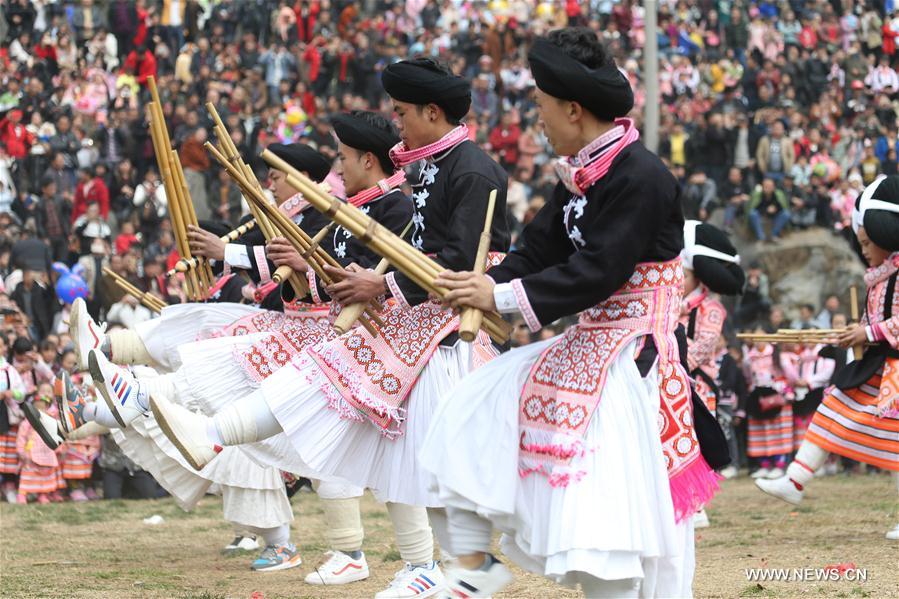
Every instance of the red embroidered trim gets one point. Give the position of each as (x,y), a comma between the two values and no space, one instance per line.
(312,280)
(524,306)
(261,263)
(395,290)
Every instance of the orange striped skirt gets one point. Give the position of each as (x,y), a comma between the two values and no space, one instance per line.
(846,423)
(40,479)
(9,458)
(75,468)
(771,437)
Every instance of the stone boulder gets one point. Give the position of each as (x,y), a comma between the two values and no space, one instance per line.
(806,267)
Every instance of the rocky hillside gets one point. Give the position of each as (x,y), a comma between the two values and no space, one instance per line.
(806,267)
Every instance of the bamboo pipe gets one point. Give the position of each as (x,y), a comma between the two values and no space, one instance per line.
(165,173)
(470,321)
(316,256)
(204,272)
(299,284)
(184,264)
(176,211)
(150,301)
(418,266)
(857,350)
(350,314)
(406,258)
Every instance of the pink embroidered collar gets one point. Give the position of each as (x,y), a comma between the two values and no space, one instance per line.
(294,205)
(592,163)
(402,156)
(884,271)
(375,191)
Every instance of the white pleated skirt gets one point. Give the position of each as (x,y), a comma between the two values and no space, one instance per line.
(210,379)
(185,323)
(616,522)
(356,450)
(253,495)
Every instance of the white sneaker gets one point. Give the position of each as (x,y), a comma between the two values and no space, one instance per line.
(730,472)
(339,568)
(782,488)
(414,581)
(775,473)
(117,386)
(85,333)
(831,469)
(44,425)
(893,535)
(760,473)
(701,519)
(241,543)
(462,582)
(186,430)
(10,496)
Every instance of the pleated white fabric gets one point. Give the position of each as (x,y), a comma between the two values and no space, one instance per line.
(616,522)
(211,379)
(184,323)
(253,493)
(357,451)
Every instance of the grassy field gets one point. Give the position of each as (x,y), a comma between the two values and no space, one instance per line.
(103,549)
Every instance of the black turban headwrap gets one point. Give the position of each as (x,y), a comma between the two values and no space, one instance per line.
(877,210)
(304,159)
(604,91)
(722,274)
(422,81)
(357,132)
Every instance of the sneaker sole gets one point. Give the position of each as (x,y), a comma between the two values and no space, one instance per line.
(97,375)
(285,566)
(356,577)
(171,432)
(73,333)
(34,419)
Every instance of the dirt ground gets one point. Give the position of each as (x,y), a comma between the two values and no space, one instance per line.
(103,549)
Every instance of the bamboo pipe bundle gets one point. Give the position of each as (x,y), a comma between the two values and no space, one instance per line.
(282,273)
(180,205)
(857,350)
(150,301)
(314,255)
(228,152)
(414,264)
(351,313)
(189,217)
(165,173)
(183,265)
(471,318)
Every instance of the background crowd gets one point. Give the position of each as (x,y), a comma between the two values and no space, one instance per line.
(774,117)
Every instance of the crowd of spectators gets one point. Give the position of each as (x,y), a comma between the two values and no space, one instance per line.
(774,115)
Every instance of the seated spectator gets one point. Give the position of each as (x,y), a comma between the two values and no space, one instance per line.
(806,318)
(700,196)
(769,202)
(825,316)
(775,155)
(734,194)
(803,208)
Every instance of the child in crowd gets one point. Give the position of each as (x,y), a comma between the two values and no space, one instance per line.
(769,410)
(40,474)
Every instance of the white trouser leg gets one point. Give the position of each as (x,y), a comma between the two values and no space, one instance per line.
(414,539)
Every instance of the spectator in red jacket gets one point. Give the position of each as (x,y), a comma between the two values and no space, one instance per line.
(90,189)
(504,139)
(14,136)
(141,63)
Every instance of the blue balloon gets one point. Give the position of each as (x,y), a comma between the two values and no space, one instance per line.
(70,286)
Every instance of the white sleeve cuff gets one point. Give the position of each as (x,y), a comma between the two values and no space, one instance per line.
(504,297)
(236,256)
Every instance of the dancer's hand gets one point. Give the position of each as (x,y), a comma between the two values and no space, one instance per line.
(354,284)
(852,336)
(206,244)
(281,252)
(467,290)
